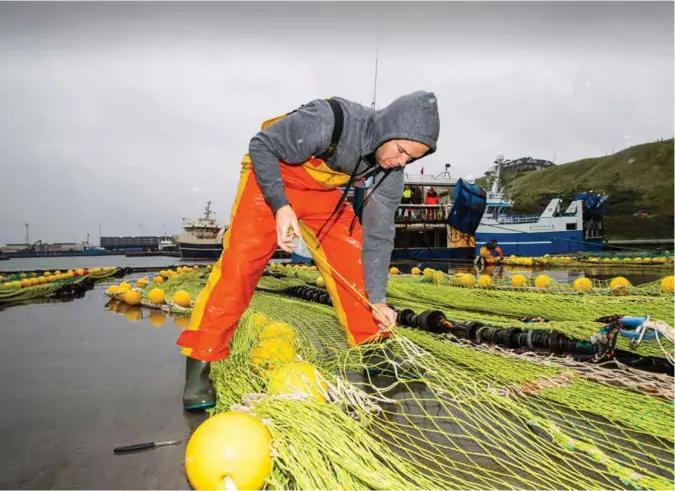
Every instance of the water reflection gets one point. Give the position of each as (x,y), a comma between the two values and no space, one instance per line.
(136,313)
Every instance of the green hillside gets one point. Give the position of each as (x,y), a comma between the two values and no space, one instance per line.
(639,177)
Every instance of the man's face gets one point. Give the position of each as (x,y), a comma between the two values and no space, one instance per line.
(397,153)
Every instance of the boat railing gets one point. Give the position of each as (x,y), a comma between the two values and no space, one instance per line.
(410,213)
(518,219)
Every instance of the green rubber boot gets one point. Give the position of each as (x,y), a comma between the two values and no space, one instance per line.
(198,393)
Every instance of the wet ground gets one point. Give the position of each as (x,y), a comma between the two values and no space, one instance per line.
(79,380)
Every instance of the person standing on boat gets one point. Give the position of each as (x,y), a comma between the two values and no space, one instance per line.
(431,199)
(406,200)
(289,187)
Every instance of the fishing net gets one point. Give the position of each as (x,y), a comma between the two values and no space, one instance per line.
(641,259)
(445,413)
(29,287)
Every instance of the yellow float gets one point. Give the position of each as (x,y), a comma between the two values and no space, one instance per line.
(299,378)
(182,298)
(156,296)
(271,354)
(229,448)
(132,297)
(582,285)
(543,282)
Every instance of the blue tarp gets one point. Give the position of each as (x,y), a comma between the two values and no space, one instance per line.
(468,208)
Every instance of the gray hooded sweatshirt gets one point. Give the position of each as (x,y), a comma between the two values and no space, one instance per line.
(307,132)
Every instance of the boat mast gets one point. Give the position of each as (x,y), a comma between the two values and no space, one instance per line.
(495,183)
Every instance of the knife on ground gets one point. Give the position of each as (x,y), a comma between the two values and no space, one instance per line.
(143,446)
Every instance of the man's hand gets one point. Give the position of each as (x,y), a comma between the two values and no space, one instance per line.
(288,228)
(384,317)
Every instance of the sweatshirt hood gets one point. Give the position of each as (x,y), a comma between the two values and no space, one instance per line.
(412,116)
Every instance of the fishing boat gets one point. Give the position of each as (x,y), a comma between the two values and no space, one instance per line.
(556,230)
(201,238)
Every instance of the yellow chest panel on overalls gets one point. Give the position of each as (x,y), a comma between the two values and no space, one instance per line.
(316,167)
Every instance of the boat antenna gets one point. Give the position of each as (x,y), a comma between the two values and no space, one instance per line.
(377,53)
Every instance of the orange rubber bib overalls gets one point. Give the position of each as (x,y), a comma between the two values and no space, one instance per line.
(250,241)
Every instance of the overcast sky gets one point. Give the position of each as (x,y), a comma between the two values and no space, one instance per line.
(133,116)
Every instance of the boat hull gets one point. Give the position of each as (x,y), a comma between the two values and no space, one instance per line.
(91,252)
(539,244)
(431,254)
(200,251)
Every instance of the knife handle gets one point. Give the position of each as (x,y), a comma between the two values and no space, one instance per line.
(133,448)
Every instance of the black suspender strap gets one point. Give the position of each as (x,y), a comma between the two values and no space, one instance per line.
(339,117)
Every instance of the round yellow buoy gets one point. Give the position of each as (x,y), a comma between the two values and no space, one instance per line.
(233,446)
(304,268)
(26,283)
(518,281)
(484,281)
(182,298)
(668,284)
(179,269)
(270,354)
(393,271)
(132,297)
(47,274)
(79,271)
(313,268)
(583,285)
(156,296)
(278,330)
(124,287)
(438,277)
(23,276)
(619,282)
(619,286)
(416,271)
(158,279)
(55,272)
(542,282)
(42,280)
(143,281)
(164,273)
(428,273)
(320,282)
(195,267)
(467,280)
(299,378)
(113,290)
(209,266)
